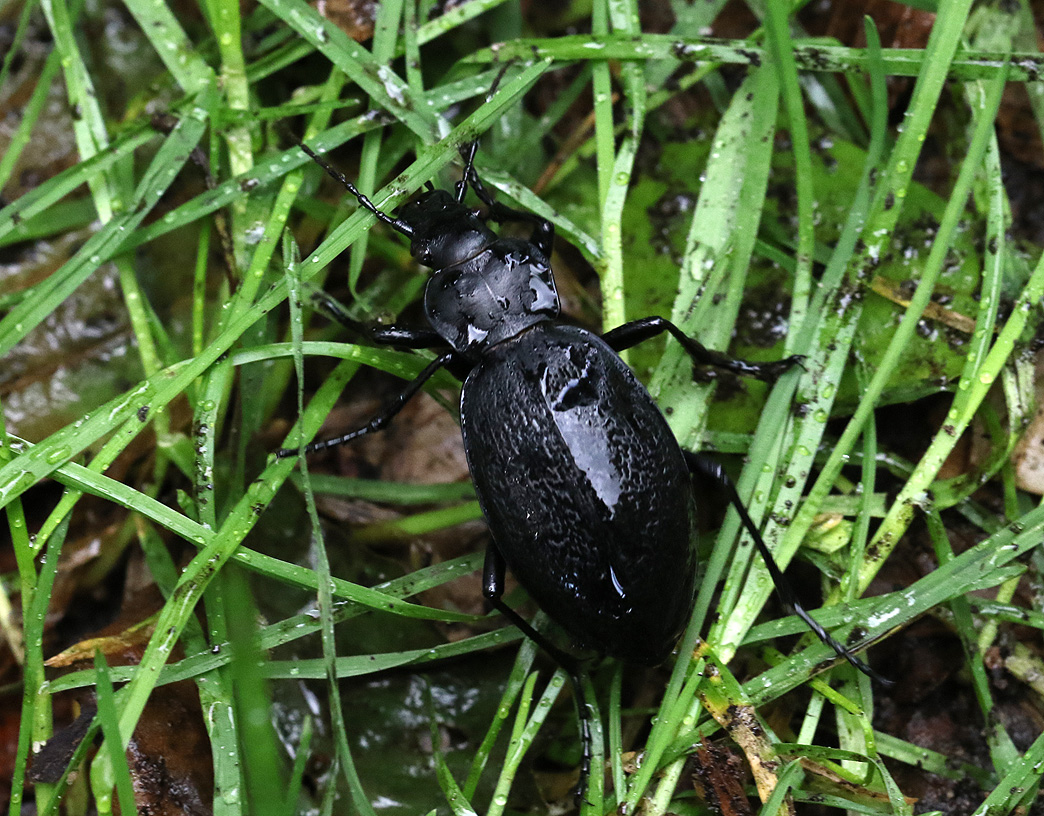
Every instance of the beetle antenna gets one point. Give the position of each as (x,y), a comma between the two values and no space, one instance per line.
(469,150)
(364,202)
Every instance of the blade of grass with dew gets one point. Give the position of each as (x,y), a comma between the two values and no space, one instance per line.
(449,93)
(969,66)
(524,732)
(417,524)
(601,86)
(61,218)
(89,124)
(105,243)
(932,761)
(35,724)
(398,493)
(594,798)
(382,86)
(520,670)
(224,692)
(224,19)
(385,38)
(453,18)
(615,175)
(109,727)
(35,203)
(1023,777)
(854,731)
(720,240)
(615,731)
(364,665)
(172,45)
(411,50)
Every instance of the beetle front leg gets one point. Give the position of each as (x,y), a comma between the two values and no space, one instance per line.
(381,420)
(637,331)
(714,471)
(394,335)
(493,569)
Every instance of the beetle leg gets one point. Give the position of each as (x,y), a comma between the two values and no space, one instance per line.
(633,333)
(713,470)
(381,420)
(493,569)
(393,335)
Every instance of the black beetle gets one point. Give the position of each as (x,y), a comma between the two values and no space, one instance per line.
(587,494)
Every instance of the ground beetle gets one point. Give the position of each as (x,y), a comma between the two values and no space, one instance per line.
(587,494)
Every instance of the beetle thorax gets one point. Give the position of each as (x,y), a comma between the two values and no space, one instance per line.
(491,297)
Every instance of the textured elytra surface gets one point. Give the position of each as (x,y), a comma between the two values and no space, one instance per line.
(585,489)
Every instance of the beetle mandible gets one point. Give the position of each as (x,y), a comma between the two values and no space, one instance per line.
(587,494)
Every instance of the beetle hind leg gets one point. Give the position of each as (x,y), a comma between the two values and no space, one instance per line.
(713,470)
(493,570)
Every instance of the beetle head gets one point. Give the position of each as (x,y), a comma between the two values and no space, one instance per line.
(444,231)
